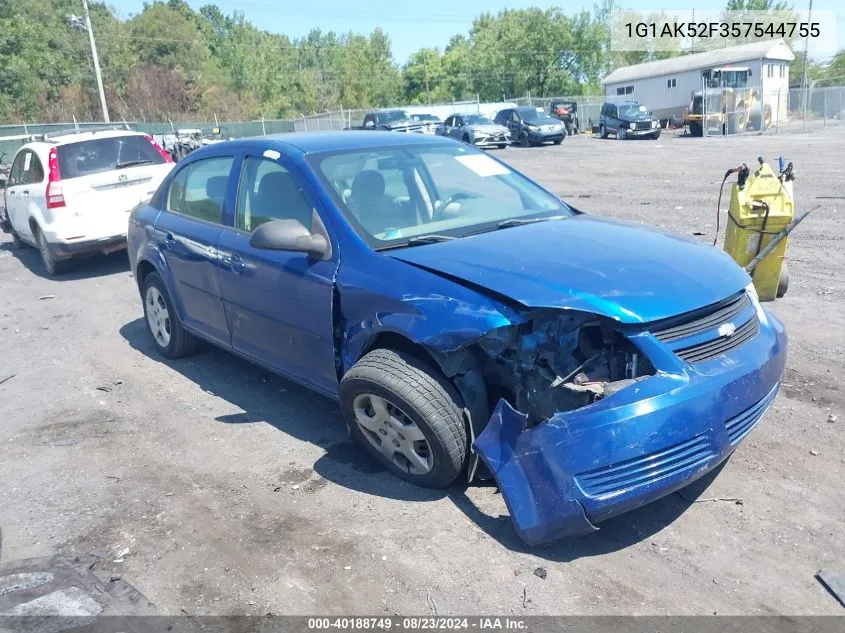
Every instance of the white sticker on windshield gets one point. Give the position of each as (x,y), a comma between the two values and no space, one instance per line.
(271,154)
(642,108)
(27,160)
(483,165)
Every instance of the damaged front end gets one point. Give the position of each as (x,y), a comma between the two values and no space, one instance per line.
(593,418)
(559,361)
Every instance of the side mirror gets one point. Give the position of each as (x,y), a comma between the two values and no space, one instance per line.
(291,235)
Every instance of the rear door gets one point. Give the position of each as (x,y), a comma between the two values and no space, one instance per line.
(278,303)
(15,211)
(104,178)
(187,232)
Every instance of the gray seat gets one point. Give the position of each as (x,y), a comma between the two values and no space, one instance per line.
(375,210)
(279,198)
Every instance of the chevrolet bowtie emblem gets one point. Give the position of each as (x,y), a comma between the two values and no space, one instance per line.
(727,329)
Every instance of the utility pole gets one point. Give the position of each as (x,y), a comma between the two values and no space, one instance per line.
(804,82)
(90,29)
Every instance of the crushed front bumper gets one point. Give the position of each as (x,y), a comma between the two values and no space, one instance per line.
(491,140)
(581,467)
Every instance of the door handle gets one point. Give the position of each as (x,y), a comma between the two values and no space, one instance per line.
(11,192)
(25,192)
(236,264)
(169,241)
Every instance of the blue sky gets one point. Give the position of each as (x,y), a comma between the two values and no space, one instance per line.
(414,25)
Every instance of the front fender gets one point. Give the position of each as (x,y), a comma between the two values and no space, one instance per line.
(410,302)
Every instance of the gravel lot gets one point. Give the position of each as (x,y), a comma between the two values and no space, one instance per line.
(235,491)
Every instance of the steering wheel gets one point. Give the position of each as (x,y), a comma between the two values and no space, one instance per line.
(440,208)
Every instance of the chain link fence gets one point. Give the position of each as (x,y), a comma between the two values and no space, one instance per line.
(768,113)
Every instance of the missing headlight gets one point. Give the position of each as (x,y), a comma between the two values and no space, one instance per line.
(563,361)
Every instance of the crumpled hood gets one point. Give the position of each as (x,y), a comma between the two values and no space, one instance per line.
(625,272)
(488,128)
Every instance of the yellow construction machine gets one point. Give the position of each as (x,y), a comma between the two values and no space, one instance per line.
(726,104)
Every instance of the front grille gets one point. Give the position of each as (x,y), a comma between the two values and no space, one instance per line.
(643,125)
(610,480)
(716,347)
(701,320)
(741,425)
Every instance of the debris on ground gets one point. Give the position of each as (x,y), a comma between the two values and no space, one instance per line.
(43,297)
(834,583)
(832,418)
(540,572)
(815,453)
(735,500)
(9,377)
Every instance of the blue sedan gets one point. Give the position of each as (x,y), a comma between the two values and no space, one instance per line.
(458,311)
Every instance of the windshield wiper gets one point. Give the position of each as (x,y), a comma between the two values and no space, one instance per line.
(506,224)
(418,240)
(428,239)
(132,163)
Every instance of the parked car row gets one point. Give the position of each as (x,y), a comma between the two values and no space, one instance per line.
(456,309)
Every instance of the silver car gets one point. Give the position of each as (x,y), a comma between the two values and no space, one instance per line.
(477,130)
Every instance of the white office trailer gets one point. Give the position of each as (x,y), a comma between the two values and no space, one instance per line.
(668,86)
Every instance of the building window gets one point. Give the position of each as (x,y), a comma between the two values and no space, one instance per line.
(781,68)
(671,83)
(625,90)
(770,71)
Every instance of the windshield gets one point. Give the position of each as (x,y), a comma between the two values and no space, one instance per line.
(106,154)
(477,119)
(393,115)
(730,79)
(632,111)
(425,117)
(392,194)
(531,114)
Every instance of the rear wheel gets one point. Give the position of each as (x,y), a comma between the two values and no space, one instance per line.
(52,266)
(502,145)
(602,131)
(407,415)
(170,338)
(783,281)
(695,129)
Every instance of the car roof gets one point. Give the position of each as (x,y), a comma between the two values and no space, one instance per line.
(75,137)
(315,142)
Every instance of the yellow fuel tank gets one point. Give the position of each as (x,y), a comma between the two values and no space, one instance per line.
(759,210)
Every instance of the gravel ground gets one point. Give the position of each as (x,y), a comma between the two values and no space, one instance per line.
(217,488)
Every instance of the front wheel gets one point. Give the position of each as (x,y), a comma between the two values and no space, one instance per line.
(602,131)
(524,141)
(783,281)
(407,415)
(170,338)
(558,141)
(655,135)
(502,145)
(622,134)
(695,128)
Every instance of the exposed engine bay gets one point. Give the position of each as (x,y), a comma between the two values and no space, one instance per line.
(560,361)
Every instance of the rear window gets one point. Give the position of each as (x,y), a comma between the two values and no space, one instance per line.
(106,154)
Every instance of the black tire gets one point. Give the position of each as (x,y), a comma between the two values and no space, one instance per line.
(181,341)
(17,242)
(502,145)
(655,135)
(569,129)
(524,141)
(425,396)
(602,131)
(767,117)
(52,266)
(783,281)
(695,129)
(558,141)
(621,134)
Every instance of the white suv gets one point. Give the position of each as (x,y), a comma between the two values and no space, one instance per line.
(70,195)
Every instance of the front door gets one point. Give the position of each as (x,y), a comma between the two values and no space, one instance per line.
(278,303)
(187,231)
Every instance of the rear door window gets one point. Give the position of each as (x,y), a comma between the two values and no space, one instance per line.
(200,190)
(16,172)
(33,172)
(98,155)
